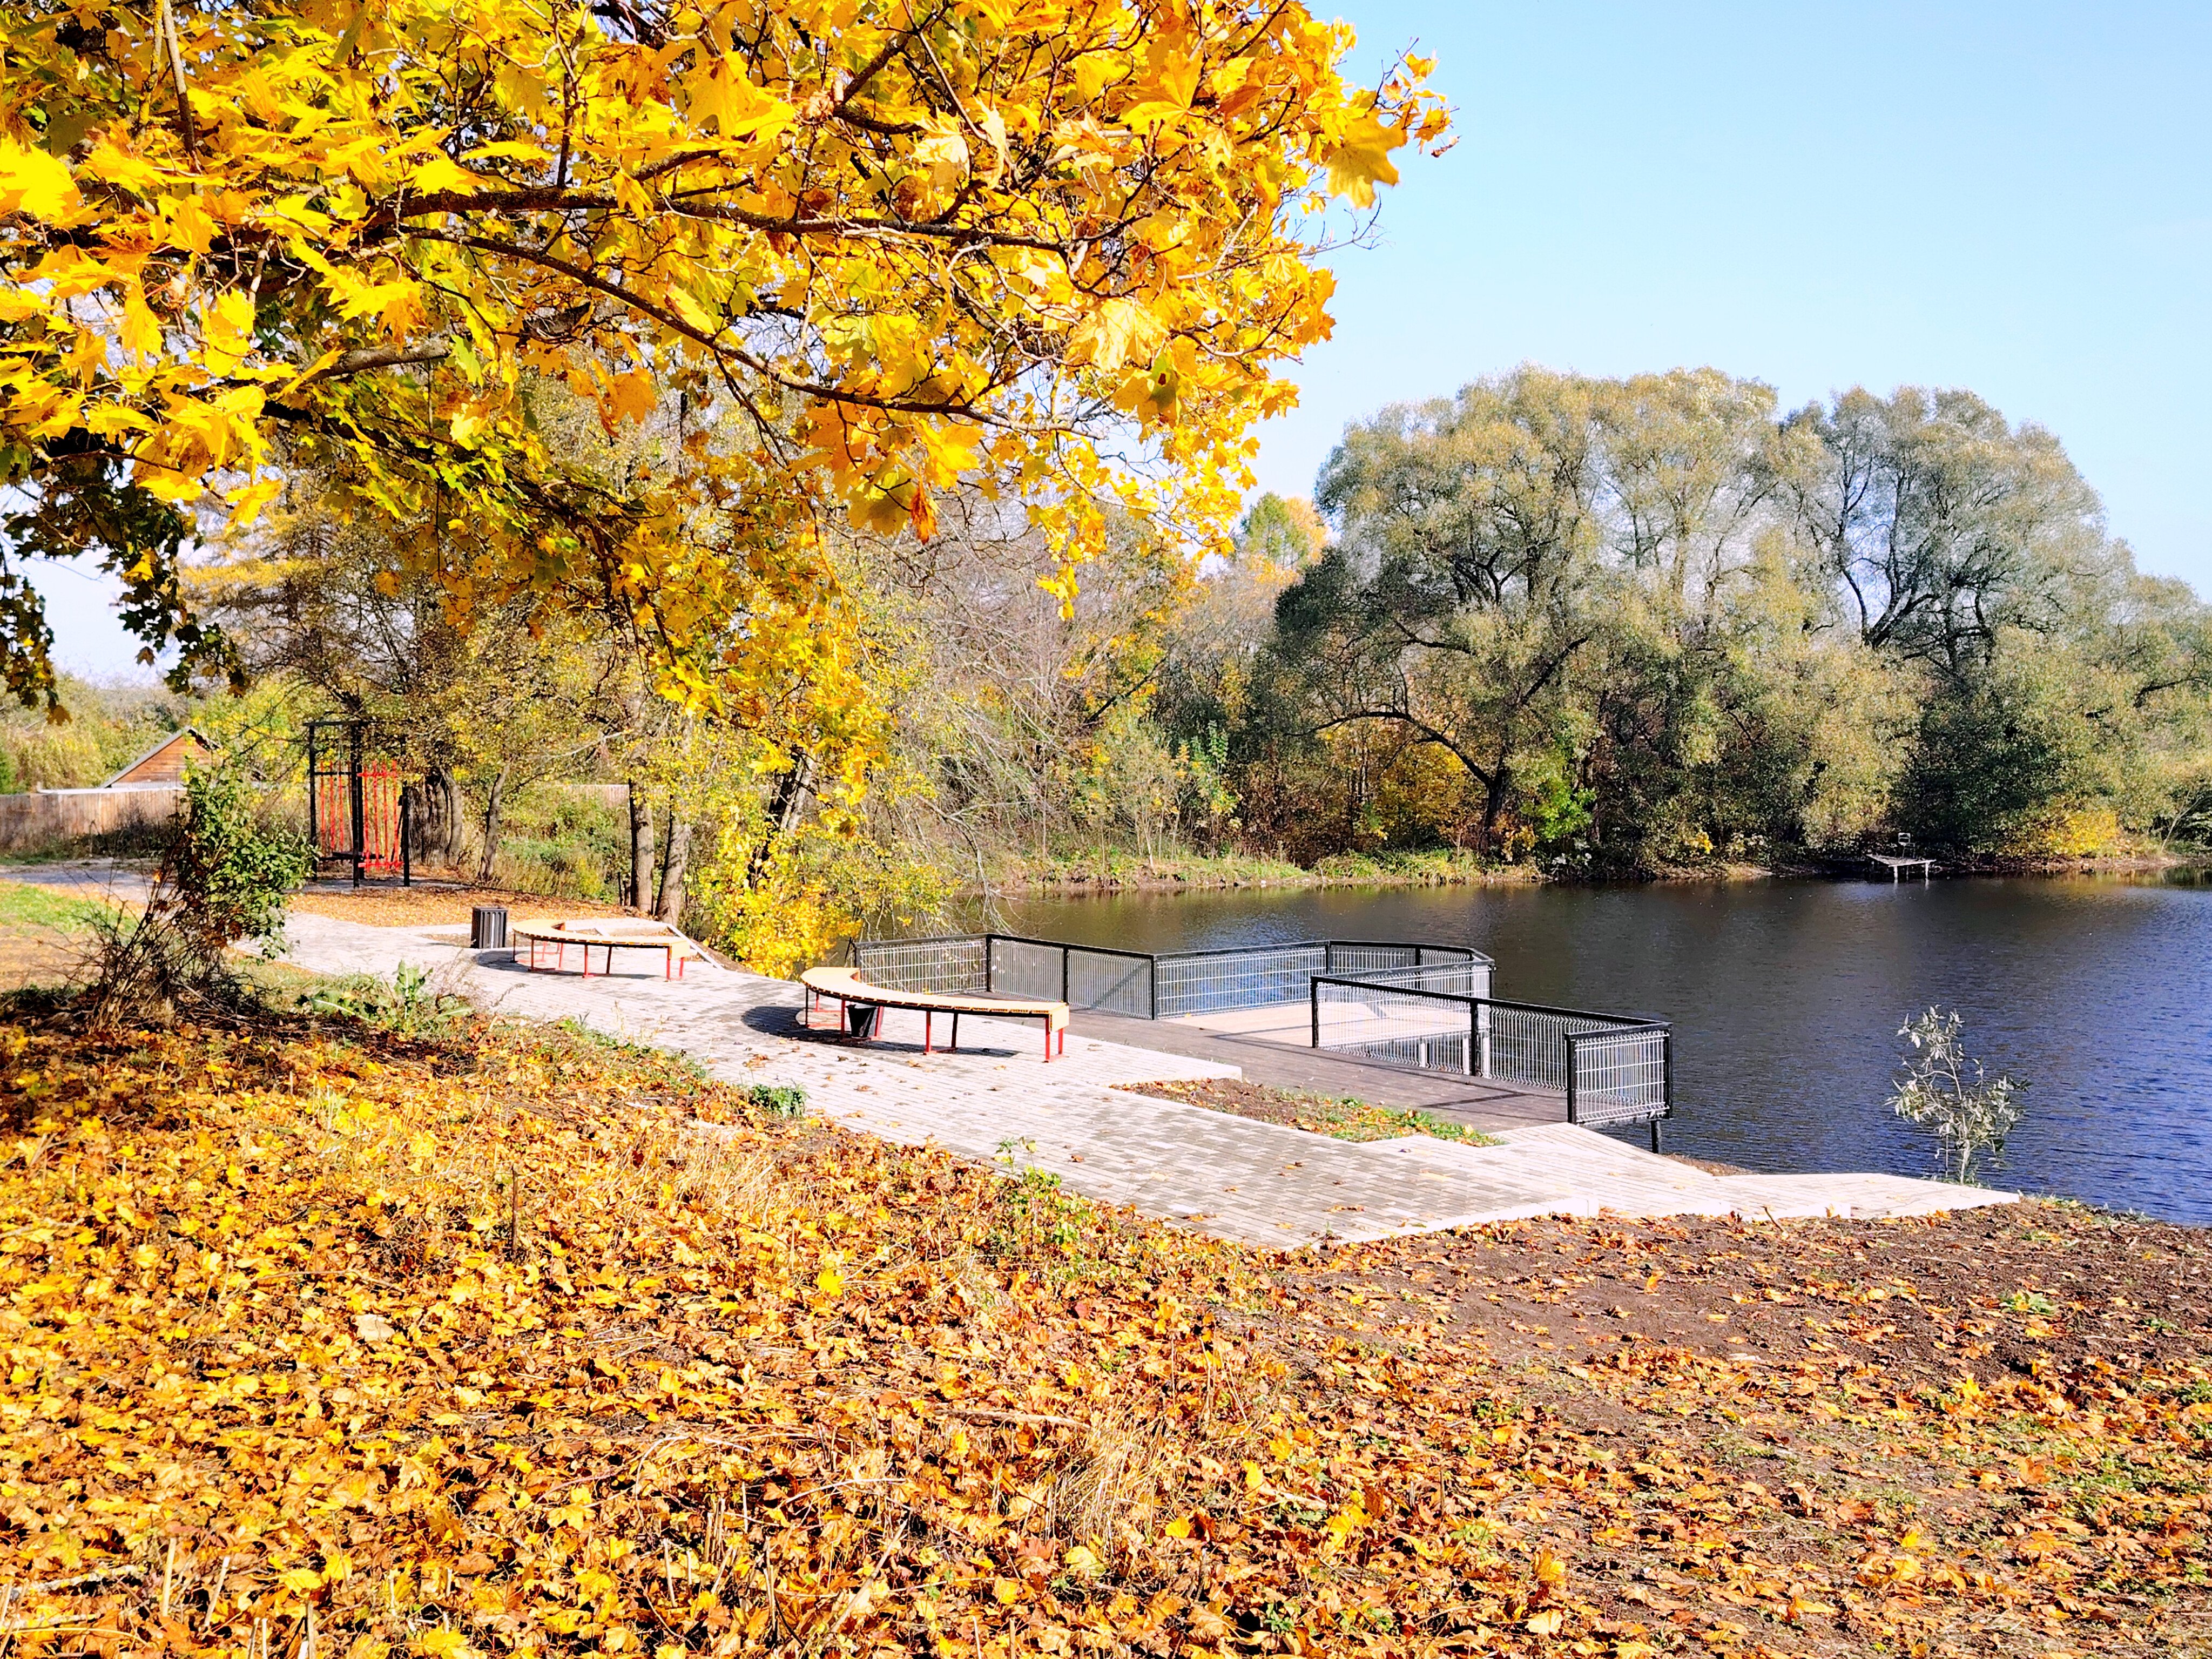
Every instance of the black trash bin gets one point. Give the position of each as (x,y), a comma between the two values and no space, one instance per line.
(488,927)
(860,1019)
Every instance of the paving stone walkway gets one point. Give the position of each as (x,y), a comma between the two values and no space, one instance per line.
(997,1099)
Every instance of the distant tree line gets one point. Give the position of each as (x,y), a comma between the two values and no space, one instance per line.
(1600,627)
(1612,626)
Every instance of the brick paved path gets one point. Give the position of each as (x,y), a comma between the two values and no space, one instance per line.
(996,1099)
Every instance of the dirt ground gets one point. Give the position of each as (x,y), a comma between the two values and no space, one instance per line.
(2007,1289)
(1839,1470)
(28,960)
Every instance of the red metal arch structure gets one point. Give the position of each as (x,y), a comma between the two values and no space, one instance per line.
(359,811)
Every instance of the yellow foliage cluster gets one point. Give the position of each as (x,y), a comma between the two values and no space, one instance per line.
(2084,832)
(842,252)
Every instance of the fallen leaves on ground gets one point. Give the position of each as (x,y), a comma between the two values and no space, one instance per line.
(1338,1116)
(514,1341)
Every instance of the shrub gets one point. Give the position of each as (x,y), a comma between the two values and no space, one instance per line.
(780,1100)
(411,1006)
(225,874)
(1944,1090)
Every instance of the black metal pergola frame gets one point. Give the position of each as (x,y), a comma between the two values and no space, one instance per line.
(349,745)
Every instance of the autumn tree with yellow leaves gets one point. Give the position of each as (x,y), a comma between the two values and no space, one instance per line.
(844,253)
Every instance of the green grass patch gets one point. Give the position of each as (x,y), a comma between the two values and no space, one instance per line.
(1356,1120)
(25,905)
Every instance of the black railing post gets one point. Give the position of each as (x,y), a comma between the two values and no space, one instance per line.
(1152,988)
(314,826)
(1572,1102)
(1313,991)
(1474,1039)
(1064,954)
(990,959)
(406,825)
(1666,1083)
(359,851)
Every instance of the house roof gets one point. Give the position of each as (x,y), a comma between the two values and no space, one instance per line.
(192,731)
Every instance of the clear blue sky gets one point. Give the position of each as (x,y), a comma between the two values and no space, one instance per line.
(2015,199)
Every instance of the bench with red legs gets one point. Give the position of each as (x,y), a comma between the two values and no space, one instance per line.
(844,987)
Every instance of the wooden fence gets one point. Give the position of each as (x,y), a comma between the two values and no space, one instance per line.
(60,814)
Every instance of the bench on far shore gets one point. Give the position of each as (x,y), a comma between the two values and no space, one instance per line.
(853,995)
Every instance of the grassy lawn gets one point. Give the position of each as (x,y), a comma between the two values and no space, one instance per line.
(449,1338)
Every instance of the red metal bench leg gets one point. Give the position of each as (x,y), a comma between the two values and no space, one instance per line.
(928,1029)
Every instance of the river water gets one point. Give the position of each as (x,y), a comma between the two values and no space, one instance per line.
(1786,997)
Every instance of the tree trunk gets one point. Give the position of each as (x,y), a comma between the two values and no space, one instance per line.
(641,852)
(674,857)
(1493,808)
(794,789)
(493,804)
(438,826)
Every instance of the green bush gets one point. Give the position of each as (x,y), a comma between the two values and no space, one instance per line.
(780,1100)
(409,1006)
(225,874)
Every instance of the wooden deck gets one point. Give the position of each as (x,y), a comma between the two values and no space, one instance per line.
(1899,868)
(1467,1100)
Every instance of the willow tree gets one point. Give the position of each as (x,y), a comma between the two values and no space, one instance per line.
(846,251)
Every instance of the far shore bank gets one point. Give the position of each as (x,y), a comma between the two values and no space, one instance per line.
(1177,875)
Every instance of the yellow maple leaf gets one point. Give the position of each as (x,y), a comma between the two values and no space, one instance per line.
(140,331)
(439,174)
(1117,332)
(191,224)
(34,184)
(1361,160)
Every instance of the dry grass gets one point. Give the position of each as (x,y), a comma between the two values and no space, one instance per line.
(46,934)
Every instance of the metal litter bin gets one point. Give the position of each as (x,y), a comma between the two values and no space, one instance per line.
(488,927)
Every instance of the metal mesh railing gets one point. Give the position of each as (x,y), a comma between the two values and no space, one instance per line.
(957,962)
(1423,1006)
(1468,977)
(1215,981)
(1613,1069)
(1621,1076)
(1109,981)
(1024,967)
(1082,975)
(1252,976)
(1150,987)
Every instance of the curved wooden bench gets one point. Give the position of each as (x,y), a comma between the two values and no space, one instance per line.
(845,987)
(610,936)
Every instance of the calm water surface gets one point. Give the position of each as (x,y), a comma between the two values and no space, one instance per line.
(1786,997)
